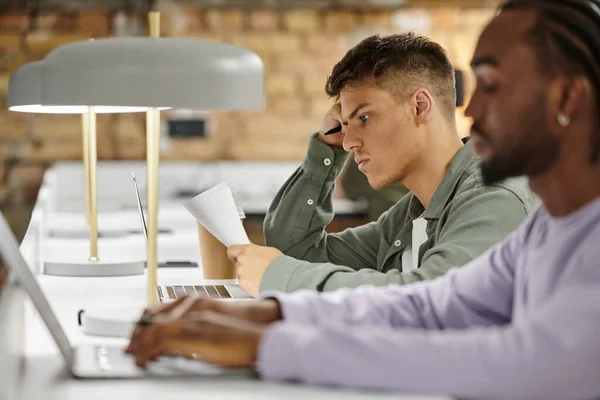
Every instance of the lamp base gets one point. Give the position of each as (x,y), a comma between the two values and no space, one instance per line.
(112,322)
(86,268)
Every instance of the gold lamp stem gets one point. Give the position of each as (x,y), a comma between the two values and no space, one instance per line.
(152,160)
(93,214)
(86,165)
(154,24)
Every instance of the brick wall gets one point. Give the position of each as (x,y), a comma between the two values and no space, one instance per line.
(298,47)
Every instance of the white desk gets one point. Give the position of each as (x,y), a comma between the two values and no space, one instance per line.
(51,383)
(44,375)
(253,184)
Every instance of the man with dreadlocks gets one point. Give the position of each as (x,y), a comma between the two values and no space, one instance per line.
(522,321)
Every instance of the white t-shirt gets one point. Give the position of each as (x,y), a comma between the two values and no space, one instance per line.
(410,257)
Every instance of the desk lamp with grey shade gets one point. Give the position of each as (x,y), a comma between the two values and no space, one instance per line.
(154,72)
(26,95)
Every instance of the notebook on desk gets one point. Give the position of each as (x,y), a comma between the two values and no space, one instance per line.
(86,360)
(173,292)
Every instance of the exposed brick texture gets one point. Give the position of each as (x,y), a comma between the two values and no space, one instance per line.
(298,48)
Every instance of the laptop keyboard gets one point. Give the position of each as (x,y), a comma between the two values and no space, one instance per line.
(173,292)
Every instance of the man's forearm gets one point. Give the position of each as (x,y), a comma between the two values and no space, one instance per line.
(365,306)
(264,311)
(303,207)
(463,297)
(410,306)
(287,274)
(537,358)
(296,221)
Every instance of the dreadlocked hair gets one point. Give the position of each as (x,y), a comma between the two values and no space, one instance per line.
(566,37)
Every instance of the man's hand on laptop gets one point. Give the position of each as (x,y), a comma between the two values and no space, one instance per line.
(189,326)
(209,336)
(251,262)
(263,311)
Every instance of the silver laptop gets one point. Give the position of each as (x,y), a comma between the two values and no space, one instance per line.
(172,292)
(87,360)
(166,264)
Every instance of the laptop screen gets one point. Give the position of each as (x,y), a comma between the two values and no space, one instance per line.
(14,261)
(140,207)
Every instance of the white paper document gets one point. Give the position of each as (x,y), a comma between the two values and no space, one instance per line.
(215,209)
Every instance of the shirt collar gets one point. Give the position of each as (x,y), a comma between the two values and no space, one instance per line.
(461,162)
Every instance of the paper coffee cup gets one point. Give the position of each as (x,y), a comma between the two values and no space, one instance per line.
(213,254)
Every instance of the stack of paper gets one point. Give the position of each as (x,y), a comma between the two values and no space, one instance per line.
(215,209)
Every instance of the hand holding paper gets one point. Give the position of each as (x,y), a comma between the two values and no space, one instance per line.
(215,209)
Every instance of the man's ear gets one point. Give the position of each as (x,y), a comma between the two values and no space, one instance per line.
(422,104)
(570,95)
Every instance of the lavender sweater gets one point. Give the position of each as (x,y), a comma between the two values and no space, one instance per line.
(521,321)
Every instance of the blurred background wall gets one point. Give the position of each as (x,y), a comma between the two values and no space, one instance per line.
(299,42)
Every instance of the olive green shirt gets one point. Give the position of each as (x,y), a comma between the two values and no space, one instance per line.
(464,218)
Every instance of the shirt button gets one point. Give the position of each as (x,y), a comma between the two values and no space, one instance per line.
(397,243)
(310,202)
(327,161)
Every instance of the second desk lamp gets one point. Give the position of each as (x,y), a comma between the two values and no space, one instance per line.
(152,72)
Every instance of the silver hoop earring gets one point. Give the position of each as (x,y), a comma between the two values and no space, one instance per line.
(563,120)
